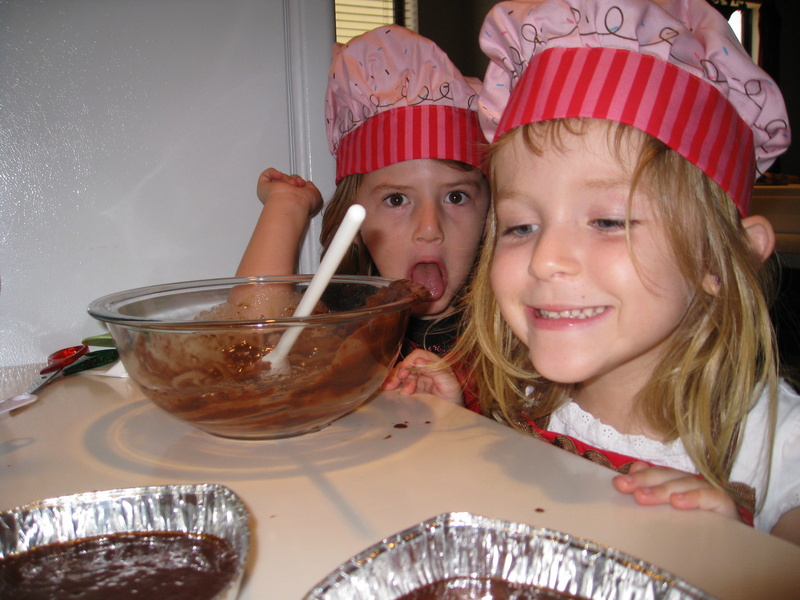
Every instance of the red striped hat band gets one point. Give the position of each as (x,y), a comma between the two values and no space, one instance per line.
(682,110)
(409,133)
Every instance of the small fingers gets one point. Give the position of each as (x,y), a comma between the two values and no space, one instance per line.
(393,379)
(269,175)
(409,386)
(654,485)
(655,493)
(651,495)
(638,467)
(390,383)
(272,175)
(410,375)
(651,486)
(639,474)
(708,499)
(399,376)
(296,180)
(403,381)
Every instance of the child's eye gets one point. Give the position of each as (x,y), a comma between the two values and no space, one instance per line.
(610,224)
(456,197)
(519,230)
(395,200)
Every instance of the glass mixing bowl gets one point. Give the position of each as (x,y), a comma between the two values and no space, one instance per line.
(198,349)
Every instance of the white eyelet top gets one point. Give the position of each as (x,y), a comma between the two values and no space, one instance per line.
(773,497)
(570,419)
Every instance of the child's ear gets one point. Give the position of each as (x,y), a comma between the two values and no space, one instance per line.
(762,239)
(761,234)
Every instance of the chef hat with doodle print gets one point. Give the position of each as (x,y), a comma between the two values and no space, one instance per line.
(394,95)
(671,68)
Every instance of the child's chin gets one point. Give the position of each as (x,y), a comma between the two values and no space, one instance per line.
(561,369)
(431,309)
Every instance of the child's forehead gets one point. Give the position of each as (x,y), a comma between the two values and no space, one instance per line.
(422,172)
(602,145)
(583,171)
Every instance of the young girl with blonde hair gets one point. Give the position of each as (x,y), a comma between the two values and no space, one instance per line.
(620,309)
(402,124)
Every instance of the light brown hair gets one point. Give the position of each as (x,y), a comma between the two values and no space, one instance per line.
(722,355)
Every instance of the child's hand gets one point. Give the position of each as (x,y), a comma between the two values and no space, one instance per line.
(420,372)
(275,186)
(289,203)
(651,486)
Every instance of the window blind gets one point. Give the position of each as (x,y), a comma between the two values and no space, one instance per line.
(354,17)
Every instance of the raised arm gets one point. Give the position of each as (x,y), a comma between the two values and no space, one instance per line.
(289,204)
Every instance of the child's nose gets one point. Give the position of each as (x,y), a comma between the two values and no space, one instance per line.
(554,254)
(428,225)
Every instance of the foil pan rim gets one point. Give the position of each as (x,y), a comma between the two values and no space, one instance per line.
(437,549)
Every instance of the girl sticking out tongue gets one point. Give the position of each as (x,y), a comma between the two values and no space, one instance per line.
(402,124)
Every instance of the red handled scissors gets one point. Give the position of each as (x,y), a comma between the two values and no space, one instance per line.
(56,363)
(66,356)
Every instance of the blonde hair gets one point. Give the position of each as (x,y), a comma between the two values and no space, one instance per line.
(358,261)
(723,353)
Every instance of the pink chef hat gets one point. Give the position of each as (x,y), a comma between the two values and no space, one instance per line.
(394,95)
(671,68)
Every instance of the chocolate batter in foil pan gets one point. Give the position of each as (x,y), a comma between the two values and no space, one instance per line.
(461,556)
(172,541)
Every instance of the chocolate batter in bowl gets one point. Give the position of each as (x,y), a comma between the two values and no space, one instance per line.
(196,348)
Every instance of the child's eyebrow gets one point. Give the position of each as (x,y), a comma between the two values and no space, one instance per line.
(594,183)
(461,182)
(382,188)
(606,183)
(509,194)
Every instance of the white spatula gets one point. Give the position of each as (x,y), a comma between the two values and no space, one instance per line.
(277,357)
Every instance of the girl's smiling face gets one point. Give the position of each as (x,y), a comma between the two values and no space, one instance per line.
(593,301)
(425,221)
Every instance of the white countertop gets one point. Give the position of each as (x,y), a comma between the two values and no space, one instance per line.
(318,499)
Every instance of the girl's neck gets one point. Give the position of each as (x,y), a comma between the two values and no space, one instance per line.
(616,407)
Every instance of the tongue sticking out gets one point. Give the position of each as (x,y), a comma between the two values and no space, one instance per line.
(429,275)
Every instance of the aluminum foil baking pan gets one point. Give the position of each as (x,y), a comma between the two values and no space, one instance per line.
(199,509)
(458,546)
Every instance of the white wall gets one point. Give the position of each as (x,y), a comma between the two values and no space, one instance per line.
(131,137)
